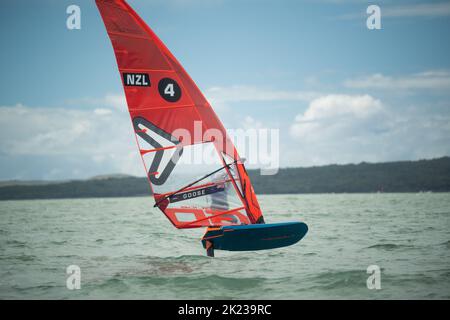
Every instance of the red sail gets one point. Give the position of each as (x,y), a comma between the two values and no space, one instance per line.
(165,106)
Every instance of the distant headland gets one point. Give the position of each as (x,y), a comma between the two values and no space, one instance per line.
(401,176)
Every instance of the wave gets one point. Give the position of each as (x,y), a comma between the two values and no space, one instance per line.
(170,259)
(339,279)
(424,280)
(16,243)
(22,257)
(445,244)
(388,246)
(211,286)
(217,281)
(43,287)
(58,243)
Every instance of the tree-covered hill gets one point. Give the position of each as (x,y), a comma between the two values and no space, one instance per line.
(405,176)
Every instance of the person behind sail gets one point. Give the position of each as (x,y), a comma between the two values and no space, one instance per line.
(219,199)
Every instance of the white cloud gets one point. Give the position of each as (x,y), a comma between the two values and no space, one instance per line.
(413,10)
(349,129)
(251,123)
(333,115)
(110,100)
(417,10)
(116,101)
(425,80)
(101,136)
(102,112)
(222,98)
(183,4)
(251,93)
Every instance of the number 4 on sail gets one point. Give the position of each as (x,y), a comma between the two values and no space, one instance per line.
(166,107)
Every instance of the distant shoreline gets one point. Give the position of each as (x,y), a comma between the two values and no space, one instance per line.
(390,177)
(259,194)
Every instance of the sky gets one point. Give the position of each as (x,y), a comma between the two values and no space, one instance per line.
(336,91)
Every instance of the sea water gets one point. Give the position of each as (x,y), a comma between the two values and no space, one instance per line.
(126,249)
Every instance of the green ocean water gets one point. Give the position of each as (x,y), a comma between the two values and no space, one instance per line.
(128,250)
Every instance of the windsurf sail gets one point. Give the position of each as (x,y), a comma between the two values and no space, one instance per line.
(197,180)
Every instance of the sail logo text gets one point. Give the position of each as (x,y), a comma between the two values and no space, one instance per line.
(136,79)
(196,193)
